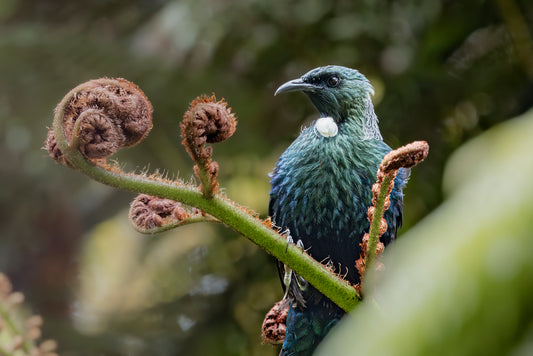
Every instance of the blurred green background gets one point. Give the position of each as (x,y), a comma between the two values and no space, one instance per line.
(444,71)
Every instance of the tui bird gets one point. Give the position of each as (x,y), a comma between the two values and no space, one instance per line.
(321,190)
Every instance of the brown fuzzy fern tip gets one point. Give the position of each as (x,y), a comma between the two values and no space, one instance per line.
(406,156)
(275,323)
(206,121)
(149,213)
(101,116)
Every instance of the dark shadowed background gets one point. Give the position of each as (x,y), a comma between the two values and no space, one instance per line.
(444,71)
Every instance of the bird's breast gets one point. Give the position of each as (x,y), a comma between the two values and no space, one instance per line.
(320,189)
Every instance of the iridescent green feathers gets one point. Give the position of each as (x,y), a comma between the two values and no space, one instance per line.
(321,189)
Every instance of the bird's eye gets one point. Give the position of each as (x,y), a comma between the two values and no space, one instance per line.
(333,81)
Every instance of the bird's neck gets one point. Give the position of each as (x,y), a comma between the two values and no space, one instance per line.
(360,119)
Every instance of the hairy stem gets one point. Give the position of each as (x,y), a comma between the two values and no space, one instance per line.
(335,288)
(379,209)
(338,290)
(205,178)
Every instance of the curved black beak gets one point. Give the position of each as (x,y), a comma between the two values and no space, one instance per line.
(295,85)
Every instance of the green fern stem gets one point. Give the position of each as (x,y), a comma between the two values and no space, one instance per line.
(223,209)
(379,209)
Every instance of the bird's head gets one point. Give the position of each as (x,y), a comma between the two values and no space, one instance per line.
(334,90)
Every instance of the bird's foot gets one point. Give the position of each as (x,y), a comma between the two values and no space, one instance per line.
(287,278)
(288,275)
(302,283)
(287,234)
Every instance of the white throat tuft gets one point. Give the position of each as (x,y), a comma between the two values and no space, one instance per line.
(326,127)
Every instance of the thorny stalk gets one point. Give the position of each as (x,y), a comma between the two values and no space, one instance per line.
(98,117)
(404,157)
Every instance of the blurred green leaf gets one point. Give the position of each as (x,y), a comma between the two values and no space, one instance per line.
(461,281)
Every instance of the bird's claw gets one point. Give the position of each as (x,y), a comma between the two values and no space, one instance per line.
(290,240)
(300,245)
(288,275)
(287,234)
